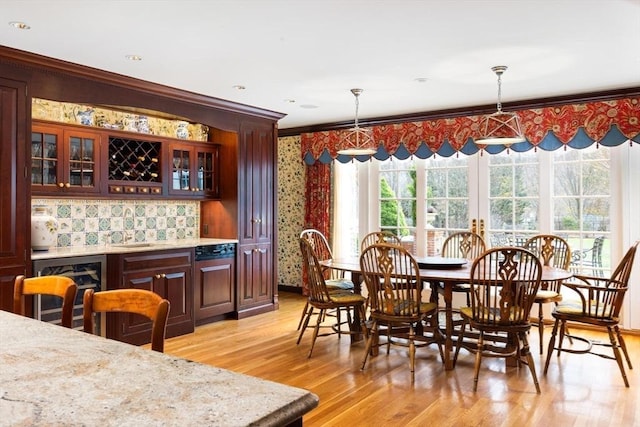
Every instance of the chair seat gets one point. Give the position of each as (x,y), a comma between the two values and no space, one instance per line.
(344,284)
(547,296)
(575,308)
(346,297)
(490,315)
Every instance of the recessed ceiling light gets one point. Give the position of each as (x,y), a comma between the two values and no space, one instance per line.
(19,25)
(238,87)
(420,79)
(133,57)
(290,101)
(308,106)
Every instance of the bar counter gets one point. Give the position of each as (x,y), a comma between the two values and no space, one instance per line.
(50,375)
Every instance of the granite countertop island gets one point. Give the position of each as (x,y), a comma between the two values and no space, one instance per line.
(52,375)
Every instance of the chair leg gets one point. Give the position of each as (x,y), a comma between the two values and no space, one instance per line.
(309,313)
(459,344)
(476,369)
(618,356)
(412,352)
(527,353)
(373,332)
(552,342)
(304,313)
(623,345)
(540,324)
(316,330)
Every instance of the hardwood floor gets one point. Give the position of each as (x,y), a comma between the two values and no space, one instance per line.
(579,390)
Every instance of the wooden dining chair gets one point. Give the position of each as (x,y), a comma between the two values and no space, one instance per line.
(599,304)
(552,251)
(58,286)
(137,301)
(393,280)
(383,236)
(462,244)
(334,279)
(322,299)
(504,282)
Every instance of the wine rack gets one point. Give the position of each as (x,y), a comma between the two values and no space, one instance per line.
(134,160)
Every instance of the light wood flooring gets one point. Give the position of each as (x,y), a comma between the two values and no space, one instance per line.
(579,390)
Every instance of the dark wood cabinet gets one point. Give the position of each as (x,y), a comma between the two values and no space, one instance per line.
(256,200)
(214,289)
(65,160)
(255,279)
(169,274)
(14,197)
(194,170)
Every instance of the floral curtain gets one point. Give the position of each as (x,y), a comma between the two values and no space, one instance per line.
(608,123)
(317,204)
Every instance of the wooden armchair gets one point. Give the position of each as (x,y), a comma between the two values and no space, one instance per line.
(504,282)
(589,259)
(334,279)
(393,280)
(552,251)
(59,286)
(322,299)
(379,237)
(599,305)
(463,244)
(136,301)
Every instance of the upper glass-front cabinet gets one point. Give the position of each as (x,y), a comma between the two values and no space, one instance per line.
(64,160)
(194,169)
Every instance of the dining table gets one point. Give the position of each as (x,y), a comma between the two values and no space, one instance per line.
(51,375)
(434,270)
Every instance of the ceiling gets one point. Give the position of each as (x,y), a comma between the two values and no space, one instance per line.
(302,57)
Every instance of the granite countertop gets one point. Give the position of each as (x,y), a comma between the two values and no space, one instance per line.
(52,375)
(73,251)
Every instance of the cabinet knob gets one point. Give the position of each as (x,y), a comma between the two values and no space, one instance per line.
(163,275)
(67,185)
(61,184)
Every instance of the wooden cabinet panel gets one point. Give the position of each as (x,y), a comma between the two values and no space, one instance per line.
(255,279)
(14,197)
(214,289)
(169,274)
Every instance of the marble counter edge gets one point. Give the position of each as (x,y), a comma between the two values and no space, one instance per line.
(73,251)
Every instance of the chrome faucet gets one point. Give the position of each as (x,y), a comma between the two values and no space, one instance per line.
(127,235)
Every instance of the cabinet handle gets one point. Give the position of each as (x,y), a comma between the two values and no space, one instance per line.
(67,185)
(157,276)
(163,275)
(61,184)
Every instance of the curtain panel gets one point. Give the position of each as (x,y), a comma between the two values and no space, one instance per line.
(317,204)
(608,123)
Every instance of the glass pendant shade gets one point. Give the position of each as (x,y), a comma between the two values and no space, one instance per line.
(501,127)
(357,141)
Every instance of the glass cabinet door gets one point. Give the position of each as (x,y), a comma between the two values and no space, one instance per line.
(82,161)
(181,178)
(44,159)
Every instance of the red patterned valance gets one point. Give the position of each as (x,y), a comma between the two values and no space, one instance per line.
(576,125)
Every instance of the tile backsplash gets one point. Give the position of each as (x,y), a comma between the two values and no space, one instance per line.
(101,222)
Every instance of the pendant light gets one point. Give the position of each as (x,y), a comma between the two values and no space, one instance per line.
(357,141)
(501,127)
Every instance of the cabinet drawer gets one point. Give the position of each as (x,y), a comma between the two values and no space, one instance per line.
(156,260)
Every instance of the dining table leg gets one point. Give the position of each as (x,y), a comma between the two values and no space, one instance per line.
(448,339)
(355,326)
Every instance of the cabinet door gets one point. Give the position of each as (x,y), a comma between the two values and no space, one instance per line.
(256,181)
(176,285)
(255,276)
(181,160)
(46,166)
(64,160)
(81,162)
(128,327)
(207,170)
(214,288)
(14,225)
